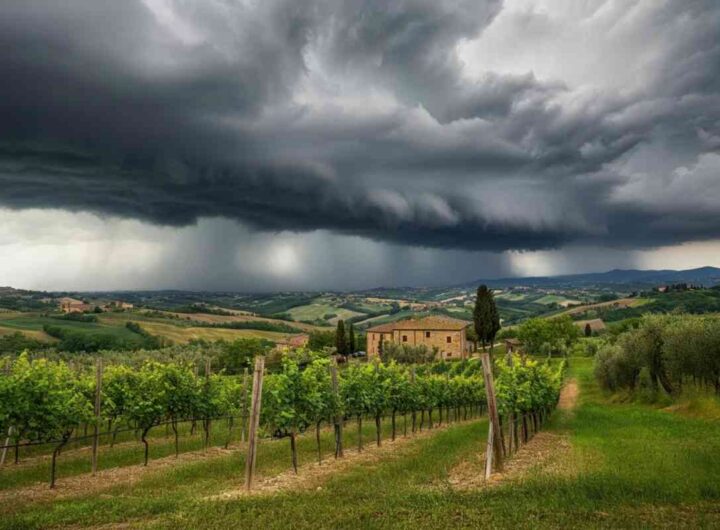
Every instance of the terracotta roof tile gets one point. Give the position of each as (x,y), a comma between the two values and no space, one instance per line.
(427,323)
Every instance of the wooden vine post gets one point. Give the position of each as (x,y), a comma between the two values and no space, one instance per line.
(244,412)
(254,420)
(207,421)
(338,423)
(96,433)
(511,416)
(494,454)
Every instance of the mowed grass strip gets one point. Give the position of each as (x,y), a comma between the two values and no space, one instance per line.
(170,491)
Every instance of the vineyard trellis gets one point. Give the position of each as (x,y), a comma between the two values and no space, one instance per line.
(46,402)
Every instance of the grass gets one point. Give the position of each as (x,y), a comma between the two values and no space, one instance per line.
(113,324)
(318,310)
(32,324)
(555,299)
(631,466)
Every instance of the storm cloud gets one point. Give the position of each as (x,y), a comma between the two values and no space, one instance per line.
(464,125)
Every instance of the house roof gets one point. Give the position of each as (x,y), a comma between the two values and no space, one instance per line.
(67,300)
(426,323)
(596,324)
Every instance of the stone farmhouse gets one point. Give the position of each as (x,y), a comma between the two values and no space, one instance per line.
(446,334)
(71,305)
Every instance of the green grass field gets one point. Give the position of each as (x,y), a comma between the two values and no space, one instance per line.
(628,466)
(318,310)
(32,324)
(178,331)
(555,299)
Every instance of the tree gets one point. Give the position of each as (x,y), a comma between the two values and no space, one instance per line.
(485,317)
(341,339)
(237,355)
(588,330)
(319,340)
(352,346)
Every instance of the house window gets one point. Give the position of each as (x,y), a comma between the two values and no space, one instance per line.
(449,339)
(404,338)
(449,354)
(427,334)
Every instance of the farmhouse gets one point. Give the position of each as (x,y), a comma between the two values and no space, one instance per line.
(118,304)
(446,334)
(71,305)
(294,341)
(512,345)
(596,325)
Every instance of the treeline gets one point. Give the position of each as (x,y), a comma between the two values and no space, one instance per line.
(82,341)
(260,325)
(665,352)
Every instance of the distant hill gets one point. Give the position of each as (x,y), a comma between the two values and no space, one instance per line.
(706,276)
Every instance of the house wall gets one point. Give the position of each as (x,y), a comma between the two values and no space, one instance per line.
(455,349)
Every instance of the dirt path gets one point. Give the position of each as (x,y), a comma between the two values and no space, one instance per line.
(546,452)
(569,395)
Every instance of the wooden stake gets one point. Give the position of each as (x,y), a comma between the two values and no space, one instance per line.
(489,452)
(244,405)
(96,433)
(338,416)
(254,420)
(492,412)
(5,448)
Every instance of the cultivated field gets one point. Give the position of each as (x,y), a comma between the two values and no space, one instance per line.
(590,469)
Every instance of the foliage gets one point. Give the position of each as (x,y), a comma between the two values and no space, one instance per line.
(485,316)
(341,344)
(407,353)
(17,342)
(674,350)
(547,336)
(320,340)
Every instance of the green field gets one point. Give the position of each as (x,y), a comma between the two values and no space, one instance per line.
(318,310)
(627,466)
(177,331)
(555,299)
(33,323)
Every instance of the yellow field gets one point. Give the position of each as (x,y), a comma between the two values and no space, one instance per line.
(33,334)
(181,335)
(217,319)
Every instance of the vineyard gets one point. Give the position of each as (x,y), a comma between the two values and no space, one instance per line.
(46,406)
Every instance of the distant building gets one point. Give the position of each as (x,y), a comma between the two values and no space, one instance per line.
(294,341)
(446,334)
(118,304)
(596,325)
(512,345)
(71,305)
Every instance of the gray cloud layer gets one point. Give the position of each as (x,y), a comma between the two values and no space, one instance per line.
(359,118)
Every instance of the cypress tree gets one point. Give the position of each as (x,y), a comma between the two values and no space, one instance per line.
(588,330)
(486,317)
(352,347)
(341,339)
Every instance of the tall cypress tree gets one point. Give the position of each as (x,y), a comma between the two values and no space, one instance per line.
(486,317)
(341,339)
(352,347)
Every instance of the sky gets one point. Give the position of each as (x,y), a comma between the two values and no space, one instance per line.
(260,145)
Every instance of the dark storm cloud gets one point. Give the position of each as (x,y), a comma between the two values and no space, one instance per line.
(350,116)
